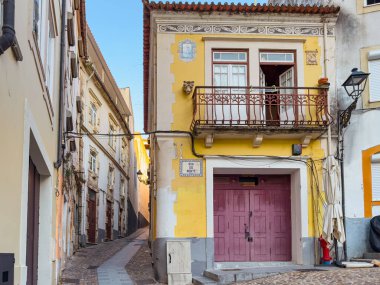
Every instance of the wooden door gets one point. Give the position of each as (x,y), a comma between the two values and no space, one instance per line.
(259,225)
(288,111)
(109,221)
(270,224)
(221,235)
(238,212)
(91,232)
(231,222)
(32,224)
(280,224)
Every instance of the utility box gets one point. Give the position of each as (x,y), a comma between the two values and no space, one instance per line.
(7,261)
(179,262)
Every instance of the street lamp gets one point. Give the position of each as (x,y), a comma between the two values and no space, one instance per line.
(354,86)
(355,83)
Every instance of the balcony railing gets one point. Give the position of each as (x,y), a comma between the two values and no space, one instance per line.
(260,108)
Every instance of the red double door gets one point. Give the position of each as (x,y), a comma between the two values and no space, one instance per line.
(252,222)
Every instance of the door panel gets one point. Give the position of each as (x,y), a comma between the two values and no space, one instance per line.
(91,232)
(287,107)
(230,105)
(32,224)
(281,226)
(109,220)
(221,236)
(240,224)
(253,224)
(260,248)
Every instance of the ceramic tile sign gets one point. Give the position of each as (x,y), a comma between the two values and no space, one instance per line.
(187,50)
(191,167)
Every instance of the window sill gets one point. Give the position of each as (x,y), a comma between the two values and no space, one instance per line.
(364,9)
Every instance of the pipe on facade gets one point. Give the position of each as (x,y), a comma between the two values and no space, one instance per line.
(340,153)
(60,144)
(8,38)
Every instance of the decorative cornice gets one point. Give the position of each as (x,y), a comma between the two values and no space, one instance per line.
(295,30)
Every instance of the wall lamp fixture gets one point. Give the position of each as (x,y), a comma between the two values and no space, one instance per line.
(354,86)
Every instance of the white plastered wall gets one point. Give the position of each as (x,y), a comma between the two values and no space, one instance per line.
(34,148)
(262,165)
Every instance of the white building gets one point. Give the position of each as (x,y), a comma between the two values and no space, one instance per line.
(358,45)
(104,157)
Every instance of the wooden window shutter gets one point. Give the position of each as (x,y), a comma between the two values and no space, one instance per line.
(374,80)
(375,169)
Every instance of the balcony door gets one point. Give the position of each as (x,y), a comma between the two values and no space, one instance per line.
(278,68)
(230,74)
(287,108)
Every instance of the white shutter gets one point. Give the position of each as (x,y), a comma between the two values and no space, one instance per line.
(376,181)
(374,80)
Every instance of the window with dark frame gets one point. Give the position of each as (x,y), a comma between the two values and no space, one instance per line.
(372,2)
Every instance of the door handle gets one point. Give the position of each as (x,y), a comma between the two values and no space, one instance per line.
(246,232)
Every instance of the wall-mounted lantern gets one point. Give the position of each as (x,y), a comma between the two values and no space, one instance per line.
(354,86)
(355,83)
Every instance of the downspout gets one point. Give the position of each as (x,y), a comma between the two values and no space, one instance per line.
(58,163)
(329,151)
(8,37)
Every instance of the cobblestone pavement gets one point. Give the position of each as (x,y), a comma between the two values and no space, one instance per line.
(140,267)
(362,276)
(81,268)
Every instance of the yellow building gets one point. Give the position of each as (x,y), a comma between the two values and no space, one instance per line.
(233,94)
(142,166)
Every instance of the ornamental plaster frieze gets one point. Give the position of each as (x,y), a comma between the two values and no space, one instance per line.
(298,30)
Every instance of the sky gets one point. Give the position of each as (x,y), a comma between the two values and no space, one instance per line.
(118,29)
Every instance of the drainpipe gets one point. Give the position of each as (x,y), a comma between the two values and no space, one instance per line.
(329,151)
(58,163)
(8,37)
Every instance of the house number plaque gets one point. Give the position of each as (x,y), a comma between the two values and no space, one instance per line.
(191,167)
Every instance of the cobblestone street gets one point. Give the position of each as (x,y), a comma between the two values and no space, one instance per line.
(82,267)
(89,267)
(363,276)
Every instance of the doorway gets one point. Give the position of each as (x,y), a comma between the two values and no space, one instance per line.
(109,221)
(278,70)
(91,232)
(32,224)
(252,219)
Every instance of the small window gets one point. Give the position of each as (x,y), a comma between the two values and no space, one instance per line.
(93,162)
(276,57)
(37,21)
(230,56)
(50,56)
(372,2)
(374,79)
(112,138)
(93,111)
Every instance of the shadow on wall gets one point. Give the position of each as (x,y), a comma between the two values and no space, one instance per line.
(132,219)
(142,222)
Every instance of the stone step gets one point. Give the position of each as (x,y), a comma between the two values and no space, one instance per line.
(371,255)
(201,280)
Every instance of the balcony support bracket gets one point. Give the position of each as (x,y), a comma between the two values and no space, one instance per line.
(305,141)
(209,140)
(257,140)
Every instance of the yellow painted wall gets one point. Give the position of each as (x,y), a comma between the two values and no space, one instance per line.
(190,206)
(142,165)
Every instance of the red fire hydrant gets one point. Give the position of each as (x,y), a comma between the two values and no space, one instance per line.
(326,258)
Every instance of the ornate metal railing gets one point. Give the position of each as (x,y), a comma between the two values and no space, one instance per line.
(274,108)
